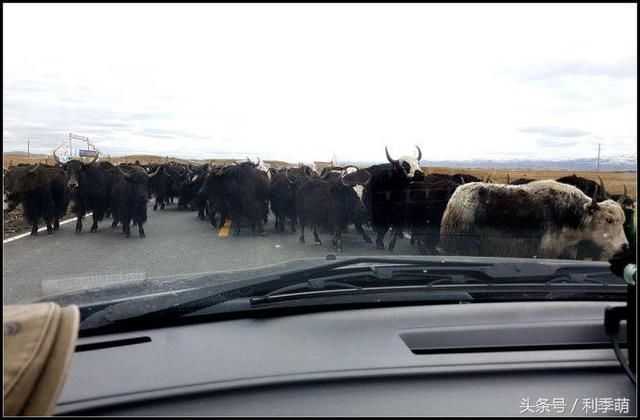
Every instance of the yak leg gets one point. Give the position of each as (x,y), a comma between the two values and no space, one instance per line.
(49,227)
(364,235)
(258,223)
(236,225)
(316,238)
(337,240)
(301,233)
(141,230)
(223,217)
(380,232)
(47,221)
(155,205)
(212,217)
(34,228)
(394,237)
(94,226)
(126,226)
(80,214)
(56,223)
(396,233)
(202,209)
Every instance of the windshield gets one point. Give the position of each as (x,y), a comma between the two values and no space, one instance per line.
(156,149)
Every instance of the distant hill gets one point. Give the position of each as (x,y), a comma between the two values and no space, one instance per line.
(20,153)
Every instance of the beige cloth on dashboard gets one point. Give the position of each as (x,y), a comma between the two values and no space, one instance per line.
(39,341)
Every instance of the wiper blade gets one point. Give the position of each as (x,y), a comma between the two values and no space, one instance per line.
(423,272)
(560,286)
(177,304)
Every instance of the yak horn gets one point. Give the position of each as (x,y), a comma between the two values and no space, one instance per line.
(155,173)
(603,192)
(32,170)
(419,153)
(351,184)
(623,196)
(346,184)
(389,156)
(93,160)
(594,201)
(126,175)
(56,158)
(369,177)
(287,174)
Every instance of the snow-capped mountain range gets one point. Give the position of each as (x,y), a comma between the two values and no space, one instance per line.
(625,162)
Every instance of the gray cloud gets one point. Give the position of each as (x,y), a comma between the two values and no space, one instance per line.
(555,143)
(149,115)
(555,131)
(622,69)
(72,100)
(172,134)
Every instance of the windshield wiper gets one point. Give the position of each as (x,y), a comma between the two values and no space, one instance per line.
(360,276)
(181,303)
(472,280)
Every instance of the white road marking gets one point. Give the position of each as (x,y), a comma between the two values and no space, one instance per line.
(42,229)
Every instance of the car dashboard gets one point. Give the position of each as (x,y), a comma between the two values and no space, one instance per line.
(428,360)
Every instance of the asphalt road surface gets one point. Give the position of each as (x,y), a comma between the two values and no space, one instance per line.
(176,243)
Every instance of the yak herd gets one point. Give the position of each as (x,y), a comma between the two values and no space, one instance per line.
(459,214)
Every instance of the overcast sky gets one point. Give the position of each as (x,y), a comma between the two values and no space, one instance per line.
(302,82)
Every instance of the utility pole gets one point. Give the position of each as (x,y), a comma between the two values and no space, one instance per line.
(598,161)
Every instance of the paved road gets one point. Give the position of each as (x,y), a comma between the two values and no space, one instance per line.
(176,243)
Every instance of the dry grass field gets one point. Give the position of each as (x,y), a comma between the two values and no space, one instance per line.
(12,160)
(614,181)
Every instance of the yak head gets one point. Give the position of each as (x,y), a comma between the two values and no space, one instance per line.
(20,180)
(604,226)
(408,165)
(73,168)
